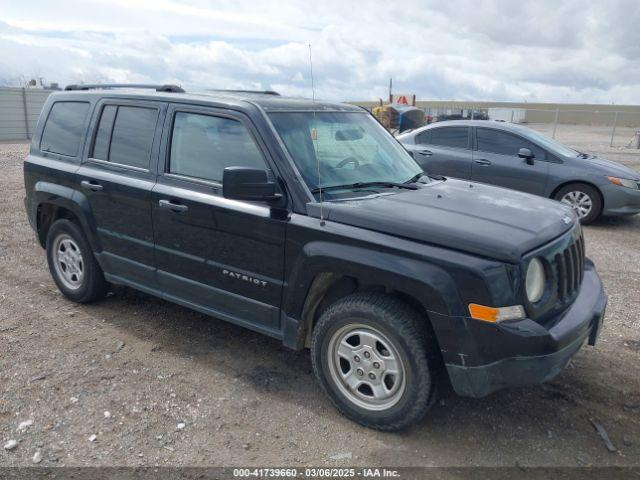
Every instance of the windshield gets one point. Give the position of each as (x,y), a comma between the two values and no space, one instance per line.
(550,144)
(343,149)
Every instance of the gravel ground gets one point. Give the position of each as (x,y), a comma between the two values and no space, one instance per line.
(133,380)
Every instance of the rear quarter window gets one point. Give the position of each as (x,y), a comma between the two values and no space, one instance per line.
(64,128)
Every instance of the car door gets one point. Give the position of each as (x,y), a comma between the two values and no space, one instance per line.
(116,176)
(224,257)
(444,151)
(496,161)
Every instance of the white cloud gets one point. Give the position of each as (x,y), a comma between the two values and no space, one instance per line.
(562,50)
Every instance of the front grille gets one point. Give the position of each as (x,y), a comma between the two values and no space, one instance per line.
(565,260)
(569,267)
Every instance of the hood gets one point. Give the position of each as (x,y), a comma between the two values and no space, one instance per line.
(609,167)
(476,218)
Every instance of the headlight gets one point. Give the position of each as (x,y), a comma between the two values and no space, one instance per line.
(624,182)
(535,281)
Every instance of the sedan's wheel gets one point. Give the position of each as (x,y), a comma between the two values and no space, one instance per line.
(584,199)
(375,358)
(580,202)
(72,264)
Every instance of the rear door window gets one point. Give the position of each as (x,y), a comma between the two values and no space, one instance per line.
(103,136)
(453,137)
(125,135)
(64,128)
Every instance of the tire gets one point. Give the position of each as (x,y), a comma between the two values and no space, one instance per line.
(574,195)
(72,263)
(404,337)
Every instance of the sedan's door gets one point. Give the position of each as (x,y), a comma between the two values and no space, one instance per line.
(116,177)
(224,257)
(496,161)
(444,151)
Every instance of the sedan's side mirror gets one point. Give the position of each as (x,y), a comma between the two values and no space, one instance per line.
(252,184)
(527,155)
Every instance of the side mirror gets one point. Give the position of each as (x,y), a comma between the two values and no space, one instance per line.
(527,155)
(244,183)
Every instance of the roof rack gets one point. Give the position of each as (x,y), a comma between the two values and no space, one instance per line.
(264,92)
(157,88)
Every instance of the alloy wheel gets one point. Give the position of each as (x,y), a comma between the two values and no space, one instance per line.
(366,367)
(579,201)
(68,262)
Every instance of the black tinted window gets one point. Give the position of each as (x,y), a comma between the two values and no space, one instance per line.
(64,128)
(457,137)
(103,135)
(202,146)
(132,136)
(424,138)
(504,143)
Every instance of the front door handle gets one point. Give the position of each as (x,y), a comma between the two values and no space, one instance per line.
(426,153)
(482,161)
(91,185)
(173,206)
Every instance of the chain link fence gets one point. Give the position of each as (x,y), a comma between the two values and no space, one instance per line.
(613,128)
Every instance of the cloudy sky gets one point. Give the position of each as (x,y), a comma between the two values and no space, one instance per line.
(542,50)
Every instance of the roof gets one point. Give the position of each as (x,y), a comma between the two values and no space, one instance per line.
(268,100)
(506,126)
(478,123)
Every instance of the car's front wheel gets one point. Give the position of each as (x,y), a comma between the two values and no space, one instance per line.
(584,199)
(374,358)
(72,264)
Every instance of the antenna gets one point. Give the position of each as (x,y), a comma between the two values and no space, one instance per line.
(314,137)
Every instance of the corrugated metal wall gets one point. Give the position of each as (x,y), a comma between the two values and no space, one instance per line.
(19,111)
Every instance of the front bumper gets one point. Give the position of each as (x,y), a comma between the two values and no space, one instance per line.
(620,200)
(524,352)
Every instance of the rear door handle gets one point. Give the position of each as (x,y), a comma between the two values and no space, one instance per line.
(426,153)
(482,161)
(173,206)
(91,185)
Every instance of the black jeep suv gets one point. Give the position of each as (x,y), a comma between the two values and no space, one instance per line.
(308,222)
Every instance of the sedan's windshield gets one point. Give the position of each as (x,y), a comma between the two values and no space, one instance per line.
(339,148)
(550,144)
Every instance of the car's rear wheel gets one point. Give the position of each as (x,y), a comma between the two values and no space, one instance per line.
(374,358)
(584,199)
(72,264)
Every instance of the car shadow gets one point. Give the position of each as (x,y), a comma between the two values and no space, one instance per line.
(627,221)
(263,366)
(255,360)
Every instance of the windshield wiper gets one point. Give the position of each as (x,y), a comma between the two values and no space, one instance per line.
(415,178)
(347,186)
(430,176)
